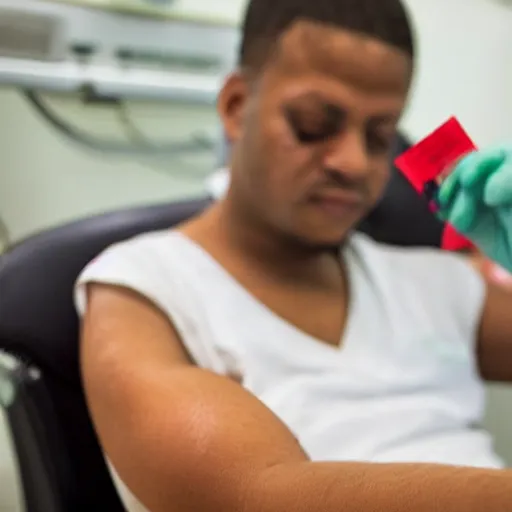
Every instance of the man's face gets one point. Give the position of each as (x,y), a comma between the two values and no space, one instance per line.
(312,135)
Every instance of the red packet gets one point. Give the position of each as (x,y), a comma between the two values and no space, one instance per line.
(453,241)
(429,158)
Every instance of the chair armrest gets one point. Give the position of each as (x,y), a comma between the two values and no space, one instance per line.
(22,396)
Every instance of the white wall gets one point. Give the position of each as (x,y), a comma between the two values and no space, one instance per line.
(46,180)
(465,68)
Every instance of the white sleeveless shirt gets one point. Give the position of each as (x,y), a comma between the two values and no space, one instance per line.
(402,387)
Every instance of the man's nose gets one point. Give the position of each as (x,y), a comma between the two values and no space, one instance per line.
(348,155)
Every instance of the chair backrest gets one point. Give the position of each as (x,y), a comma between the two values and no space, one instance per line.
(38,324)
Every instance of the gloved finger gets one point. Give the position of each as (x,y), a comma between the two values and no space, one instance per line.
(462,211)
(498,189)
(448,190)
(474,169)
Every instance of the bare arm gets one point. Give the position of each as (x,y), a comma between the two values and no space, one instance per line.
(495,337)
(186,440)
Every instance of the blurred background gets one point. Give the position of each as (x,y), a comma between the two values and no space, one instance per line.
(143,126)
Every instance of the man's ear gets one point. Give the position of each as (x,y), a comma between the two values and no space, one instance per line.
(231,104)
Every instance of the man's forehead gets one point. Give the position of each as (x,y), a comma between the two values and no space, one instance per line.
(351,57)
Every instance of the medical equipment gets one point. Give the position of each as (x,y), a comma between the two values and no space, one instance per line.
(59,47)
(107,56)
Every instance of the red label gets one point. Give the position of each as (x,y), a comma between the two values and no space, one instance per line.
(429,158)
(435,153)
(453,241)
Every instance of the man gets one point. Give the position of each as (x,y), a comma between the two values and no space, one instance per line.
(245,362)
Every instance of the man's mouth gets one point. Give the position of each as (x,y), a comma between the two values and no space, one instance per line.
(339,203)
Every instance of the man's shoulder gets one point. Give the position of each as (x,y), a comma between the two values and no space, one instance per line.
(151,242)
(413,262)
(147,263)
(442,283)
(141,252)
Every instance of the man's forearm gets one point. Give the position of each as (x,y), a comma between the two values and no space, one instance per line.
(353,487)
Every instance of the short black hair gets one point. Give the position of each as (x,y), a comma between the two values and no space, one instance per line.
(267,20)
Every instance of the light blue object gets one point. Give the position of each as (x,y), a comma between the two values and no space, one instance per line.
(7,391)
(224,153)
(476,198)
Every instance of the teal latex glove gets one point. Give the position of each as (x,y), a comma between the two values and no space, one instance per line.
(476,199)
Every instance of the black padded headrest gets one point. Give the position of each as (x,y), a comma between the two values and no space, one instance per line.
(37,317)
(403,217)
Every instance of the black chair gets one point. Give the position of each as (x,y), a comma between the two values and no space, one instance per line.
(60,462)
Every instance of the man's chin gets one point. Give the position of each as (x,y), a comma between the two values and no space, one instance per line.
(320,239)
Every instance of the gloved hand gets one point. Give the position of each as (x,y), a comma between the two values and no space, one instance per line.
(476,199)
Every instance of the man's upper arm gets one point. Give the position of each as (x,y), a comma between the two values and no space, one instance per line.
(495,335)
(483,310)
(180,438)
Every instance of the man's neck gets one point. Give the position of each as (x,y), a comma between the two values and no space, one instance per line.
(269,249)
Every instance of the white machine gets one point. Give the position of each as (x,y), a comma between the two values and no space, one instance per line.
(63,47)
(106,56)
